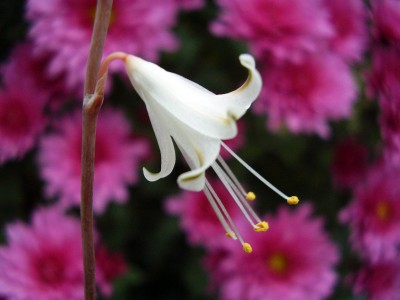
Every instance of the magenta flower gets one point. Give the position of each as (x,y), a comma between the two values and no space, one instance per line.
(304,97)
(386,20)
(349,21)
(294,260)
(63,29)
(117,159)
(109,266)
(285,29)
(21,120)
(197,217)
(191,4)
(374,215)
(26,70)
(42,260)
(380,281)
(384,78)
(349,163)
(390,126)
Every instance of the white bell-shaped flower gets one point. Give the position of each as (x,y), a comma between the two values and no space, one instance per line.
(195,118)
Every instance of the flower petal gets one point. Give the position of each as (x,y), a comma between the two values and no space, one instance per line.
(200,151)
(191,104)
(164,142)
(240,100)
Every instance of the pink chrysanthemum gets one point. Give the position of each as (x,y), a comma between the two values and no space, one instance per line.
(63,28)
(293,260)
(390,126)
(26,70)
(305,96)
(287,29)
(348,18)
(191,4)
(43,260)
(116,162)
(349,163)
(374,215)
(197,217)
(384,77)
(109,266)
(21,120)
(380,281)
(386,20)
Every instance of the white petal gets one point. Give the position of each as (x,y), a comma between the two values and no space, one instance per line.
(165,144)
(200,151)
(203,152)
(185,100)
(240,100)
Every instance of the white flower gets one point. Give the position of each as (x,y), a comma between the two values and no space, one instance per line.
(194,117)
(198,120)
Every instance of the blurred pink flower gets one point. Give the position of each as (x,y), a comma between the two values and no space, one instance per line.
(287,29)
(386,20)
(191,4)
(304,97)
(374,215)
(109,266)
(383,78)
(390,126)
(293,260)
(380,281)
(118,155)
(43,260)
(349,163)
(22,120)
(27,71)
(197,217)
(63,29)
(348,18)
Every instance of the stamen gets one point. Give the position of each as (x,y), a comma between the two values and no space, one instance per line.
(231,235)
(236,234)
(216,209)
(254,172)
(293,200)
(251,196)
(231,174)
(247,248)
(225,180)
(239,195)
(261,227)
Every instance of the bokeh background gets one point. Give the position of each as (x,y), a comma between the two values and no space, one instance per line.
(325,128)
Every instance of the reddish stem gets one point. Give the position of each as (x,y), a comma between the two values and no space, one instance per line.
(93,99)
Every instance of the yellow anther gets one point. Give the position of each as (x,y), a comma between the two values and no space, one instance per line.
(231,235)
(251,196)
(247,248)
(292,200)
(261,227)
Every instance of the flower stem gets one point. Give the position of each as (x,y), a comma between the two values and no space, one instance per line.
(93,99)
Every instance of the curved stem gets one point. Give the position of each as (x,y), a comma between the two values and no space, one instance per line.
(93,99)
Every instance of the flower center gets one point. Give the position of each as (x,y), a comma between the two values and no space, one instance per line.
(382,210)
(14,118)
(277,263)
(50,269)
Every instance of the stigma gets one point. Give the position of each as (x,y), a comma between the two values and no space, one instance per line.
(240,196)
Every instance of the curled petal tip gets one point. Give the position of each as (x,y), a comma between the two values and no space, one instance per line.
(247,60)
